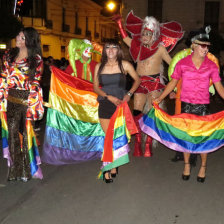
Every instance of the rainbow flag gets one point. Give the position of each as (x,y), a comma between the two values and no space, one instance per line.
(185,132)
(34,156)
(73,132)
(5,135)
(118,135)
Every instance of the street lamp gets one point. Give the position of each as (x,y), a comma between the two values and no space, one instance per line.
(111,5)
(114,6)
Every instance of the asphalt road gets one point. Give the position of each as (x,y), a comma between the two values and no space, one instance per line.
(146,191)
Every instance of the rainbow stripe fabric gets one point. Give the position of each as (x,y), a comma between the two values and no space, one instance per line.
(118,135)
(5,135)
(73,132)
(185,132)
(34,156)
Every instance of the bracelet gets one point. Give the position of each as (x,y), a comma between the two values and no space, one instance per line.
(129,93)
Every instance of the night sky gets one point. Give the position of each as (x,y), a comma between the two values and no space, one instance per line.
(100,2)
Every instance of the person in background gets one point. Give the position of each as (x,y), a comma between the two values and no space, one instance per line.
(80,58)
(64,64)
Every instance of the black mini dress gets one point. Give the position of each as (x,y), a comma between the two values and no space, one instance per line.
(114,85)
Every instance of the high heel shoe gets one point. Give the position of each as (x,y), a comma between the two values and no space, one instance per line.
(201,179)
(114,174)
(186,177)
(105,179)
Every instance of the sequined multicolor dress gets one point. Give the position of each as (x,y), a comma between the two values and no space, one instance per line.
(21,102)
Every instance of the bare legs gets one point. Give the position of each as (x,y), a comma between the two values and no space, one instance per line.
(142,104)
(140,100)
(201,173)
(186,164)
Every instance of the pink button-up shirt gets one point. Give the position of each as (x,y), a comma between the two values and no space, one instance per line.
(195,82)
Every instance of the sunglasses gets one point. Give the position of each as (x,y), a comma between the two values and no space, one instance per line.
(111,46)
(204,45)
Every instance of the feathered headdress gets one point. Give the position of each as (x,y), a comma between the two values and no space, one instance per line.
(167,33)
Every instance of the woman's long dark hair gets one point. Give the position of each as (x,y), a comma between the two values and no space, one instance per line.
(32,42)
(104,58)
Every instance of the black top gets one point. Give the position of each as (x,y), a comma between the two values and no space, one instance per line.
(113,84)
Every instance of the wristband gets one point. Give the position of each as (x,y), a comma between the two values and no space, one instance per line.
(129,93)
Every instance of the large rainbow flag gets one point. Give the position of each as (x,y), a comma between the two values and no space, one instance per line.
(73,132)
(185,132)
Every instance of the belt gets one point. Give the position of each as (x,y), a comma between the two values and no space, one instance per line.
(17,100)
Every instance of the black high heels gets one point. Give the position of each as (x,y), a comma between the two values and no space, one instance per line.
(109,180)
(186,177)
(201,179)
(114,174)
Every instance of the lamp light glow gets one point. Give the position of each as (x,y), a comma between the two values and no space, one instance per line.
(111,5)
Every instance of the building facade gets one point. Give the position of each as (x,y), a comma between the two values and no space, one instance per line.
(60,21)
(191,14)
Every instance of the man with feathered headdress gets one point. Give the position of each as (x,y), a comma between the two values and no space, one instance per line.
(149,45)
(80,58)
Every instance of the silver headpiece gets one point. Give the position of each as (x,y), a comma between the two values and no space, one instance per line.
(151,24)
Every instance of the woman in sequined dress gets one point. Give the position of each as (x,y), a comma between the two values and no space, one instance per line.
(21,99)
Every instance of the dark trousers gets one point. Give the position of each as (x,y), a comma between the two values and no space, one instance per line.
(16,120)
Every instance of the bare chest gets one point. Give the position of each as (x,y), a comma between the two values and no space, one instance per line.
(149,66)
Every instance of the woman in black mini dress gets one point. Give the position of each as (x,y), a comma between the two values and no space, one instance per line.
(111,75)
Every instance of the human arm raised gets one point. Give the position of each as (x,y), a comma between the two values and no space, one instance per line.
(124,35)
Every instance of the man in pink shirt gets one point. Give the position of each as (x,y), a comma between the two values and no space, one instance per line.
(196,81)
(196,70)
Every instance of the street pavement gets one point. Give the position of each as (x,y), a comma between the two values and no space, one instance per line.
(146,191)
